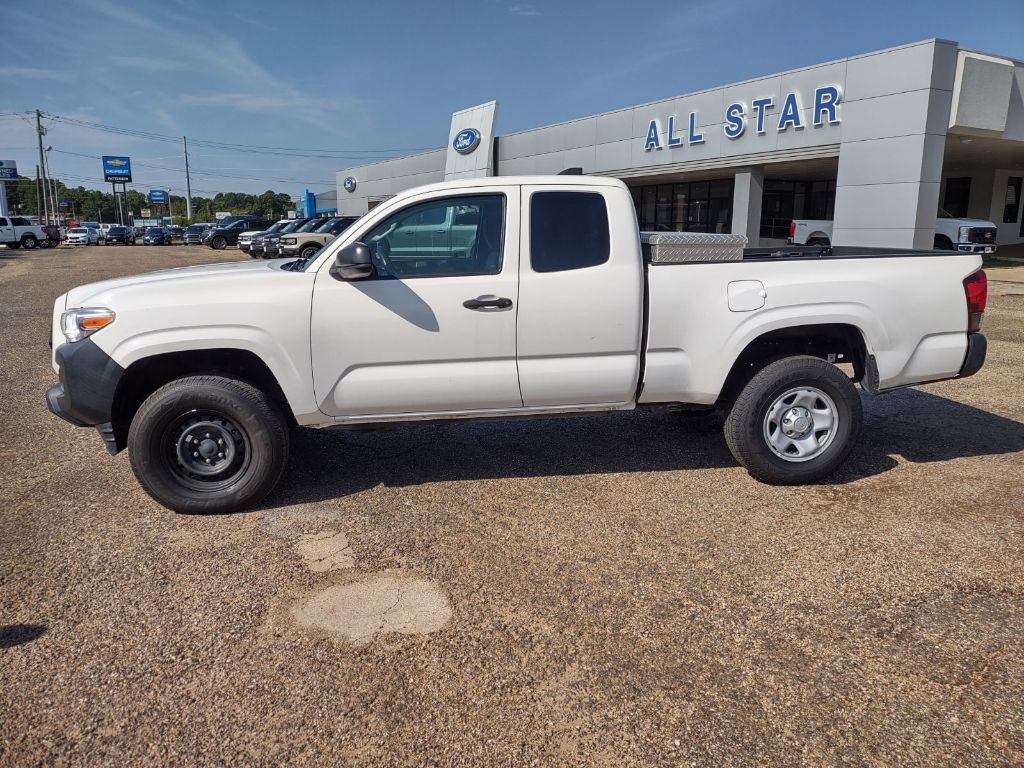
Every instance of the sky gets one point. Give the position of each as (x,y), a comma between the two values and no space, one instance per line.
(334,85)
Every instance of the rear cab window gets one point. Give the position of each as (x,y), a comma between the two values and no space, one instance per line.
(568,230)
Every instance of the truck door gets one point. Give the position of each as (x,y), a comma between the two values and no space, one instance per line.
(6,230)
(581,289)
(433,331)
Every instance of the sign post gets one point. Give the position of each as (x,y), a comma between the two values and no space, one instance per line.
(8,170)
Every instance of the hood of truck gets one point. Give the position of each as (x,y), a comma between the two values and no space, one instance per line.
(80,296)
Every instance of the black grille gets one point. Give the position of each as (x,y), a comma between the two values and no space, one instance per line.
(985,235)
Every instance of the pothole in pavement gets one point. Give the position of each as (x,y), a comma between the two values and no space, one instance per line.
(327,551)
(377,604)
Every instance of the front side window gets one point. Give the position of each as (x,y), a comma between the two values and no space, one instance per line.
(448,236)
(3,221)
(568,230)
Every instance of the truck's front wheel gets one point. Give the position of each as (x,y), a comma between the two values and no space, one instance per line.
(219,243)
(29,241)
(208,444)
(795,421)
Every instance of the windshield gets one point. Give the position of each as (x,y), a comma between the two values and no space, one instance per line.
(195,229)
(310,225)
(79,231)
(116,231)
(155,231)
(944,214)
(276,227)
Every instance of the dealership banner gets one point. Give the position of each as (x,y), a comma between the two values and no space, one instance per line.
(117,169)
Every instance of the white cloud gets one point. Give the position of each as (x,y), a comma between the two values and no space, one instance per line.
(147,64)
(33,73)
(524,9)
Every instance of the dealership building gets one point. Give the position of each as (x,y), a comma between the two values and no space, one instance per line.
(877,143)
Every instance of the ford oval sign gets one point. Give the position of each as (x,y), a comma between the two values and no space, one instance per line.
(466,141)
(350,183)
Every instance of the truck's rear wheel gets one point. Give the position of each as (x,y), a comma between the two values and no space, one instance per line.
(795,421)
(208,444)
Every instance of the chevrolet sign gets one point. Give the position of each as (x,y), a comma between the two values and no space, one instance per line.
(117,169)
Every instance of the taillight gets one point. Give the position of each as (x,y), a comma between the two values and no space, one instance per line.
(792,230)
(976,290)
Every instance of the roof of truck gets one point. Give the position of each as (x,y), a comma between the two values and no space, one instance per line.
(493,181)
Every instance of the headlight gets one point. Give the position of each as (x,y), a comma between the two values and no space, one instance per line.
(76,324)
(965,234)
(289,240)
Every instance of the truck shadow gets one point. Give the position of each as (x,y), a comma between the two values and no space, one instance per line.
(325,464)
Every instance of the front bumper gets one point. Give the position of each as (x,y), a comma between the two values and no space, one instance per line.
(976,248)
(89,378)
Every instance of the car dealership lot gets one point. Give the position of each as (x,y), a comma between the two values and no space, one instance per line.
(553,591)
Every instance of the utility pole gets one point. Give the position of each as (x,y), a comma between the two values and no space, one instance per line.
(42,162)
(170,205)
(39,204)
(188,182)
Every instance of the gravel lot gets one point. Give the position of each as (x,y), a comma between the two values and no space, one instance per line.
(610,590)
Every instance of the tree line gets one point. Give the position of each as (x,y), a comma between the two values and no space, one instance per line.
(96,205)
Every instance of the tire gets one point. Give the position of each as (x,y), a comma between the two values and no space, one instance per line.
(943,243)
(242,432)
(765,402)
(219,243)
(30,242)
(308,251)
(823,241)
(14,246)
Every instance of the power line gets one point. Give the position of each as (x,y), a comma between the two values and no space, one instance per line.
(333,154)
(194,172)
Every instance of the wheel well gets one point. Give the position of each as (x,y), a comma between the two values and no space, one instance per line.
(833,342)
(145,376)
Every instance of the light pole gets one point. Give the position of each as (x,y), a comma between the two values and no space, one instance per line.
(54,201)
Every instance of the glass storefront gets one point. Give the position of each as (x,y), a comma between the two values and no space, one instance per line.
(706,206)
(695,206)
(783,201)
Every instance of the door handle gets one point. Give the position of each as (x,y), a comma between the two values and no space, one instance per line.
(487,302)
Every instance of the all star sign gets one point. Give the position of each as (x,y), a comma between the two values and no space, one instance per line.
(761,115)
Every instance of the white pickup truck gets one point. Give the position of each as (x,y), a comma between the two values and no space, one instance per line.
(540,298)
(17,232)
(951,233)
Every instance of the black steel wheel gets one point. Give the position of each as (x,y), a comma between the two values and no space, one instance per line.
(208,444)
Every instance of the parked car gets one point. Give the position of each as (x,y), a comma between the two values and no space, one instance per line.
(83,236)
(177,233)
(246,239)
(550,302)
(305,244)
(119,236)
(54,237)
(227,223)
(223,236)
(156,236)
(951,233)
(194,233)
(17,232)
(268,248)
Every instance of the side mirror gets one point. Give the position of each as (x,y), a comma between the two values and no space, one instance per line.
(353,262)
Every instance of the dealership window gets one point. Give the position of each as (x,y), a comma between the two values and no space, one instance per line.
(568,230)
(958,193)
(1012,201)
(782,201)
(820,202)
(698,206)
